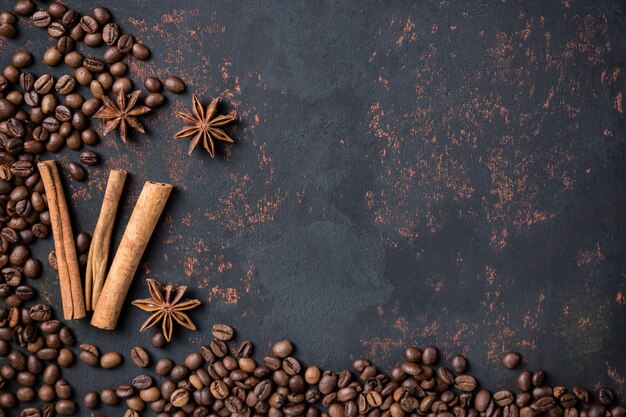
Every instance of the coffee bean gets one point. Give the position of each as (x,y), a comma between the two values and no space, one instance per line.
(65,407)
(89,24)
(83,240)
(22,59)
(7,30)
(110,360)
(89,354)
(74,59)
(89,158)
(108,396)
(222,332)
(511,360)
(123,84)
(65,358)
(158,340)
(140,357)
(102,15)
(174,84)
(93,39)
(91,400)
(153,100)
(57,9)
(76,171)
(112,54)
(52,56)
(430,355)
(65,84)
(41,19)
(56,30)
(83,76)
(70,18)
(40,312)
(125,43)
(24,7)
(140,51)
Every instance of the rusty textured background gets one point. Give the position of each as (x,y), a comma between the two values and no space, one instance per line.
(446,172)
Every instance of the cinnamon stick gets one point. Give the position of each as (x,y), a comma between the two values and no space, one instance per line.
(67,261)
(136,236)
(98,258)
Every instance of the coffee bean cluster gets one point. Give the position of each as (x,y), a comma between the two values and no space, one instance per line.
(35,347)
(90,355)
(224,380)
(7,24)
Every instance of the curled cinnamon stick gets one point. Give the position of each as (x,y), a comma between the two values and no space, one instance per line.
(101,241)
(67,261)
(136,236)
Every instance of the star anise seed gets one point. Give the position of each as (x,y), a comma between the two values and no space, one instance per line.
(203,126)
(166,305)
(121,112)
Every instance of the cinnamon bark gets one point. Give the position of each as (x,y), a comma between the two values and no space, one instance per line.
(136,236)
(101,241)
(64,246)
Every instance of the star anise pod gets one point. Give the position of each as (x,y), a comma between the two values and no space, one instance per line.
(203,126)
(121,112)
(166,305)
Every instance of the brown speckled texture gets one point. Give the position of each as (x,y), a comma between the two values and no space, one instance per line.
(442,172)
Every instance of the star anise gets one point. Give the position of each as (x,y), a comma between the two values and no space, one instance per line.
(167,304)
(120,112)
(203,126)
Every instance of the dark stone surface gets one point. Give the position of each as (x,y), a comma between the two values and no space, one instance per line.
(448,173)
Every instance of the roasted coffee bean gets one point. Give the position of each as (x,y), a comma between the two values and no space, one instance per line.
(140,357)
(153,84)
(65,358)
(538,377)
(89,354)
(70,18)
(108,396)
(65,44)
(141,382)
(57,9)
(222,332)
(65,407)
(27,81)
(164,366)
(52,57)
(174,84)
(125,43)
(125,391)
(22,59)
(89,24)
(91,400)
(41,19)
(140,51)
(65,84)
(31,98)
(511,360)
(110,360)
(110,33)
(40,312)
(158,340)
(83,76)
(43,84)
(153,100)
(119,69)
(7,30)
(112,54)
(93,64)
(83,241)
(123,84)
(56,30)
(93,39)
(76,171)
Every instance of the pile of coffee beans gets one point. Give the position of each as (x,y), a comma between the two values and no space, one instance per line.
(222,380)
(35,347)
